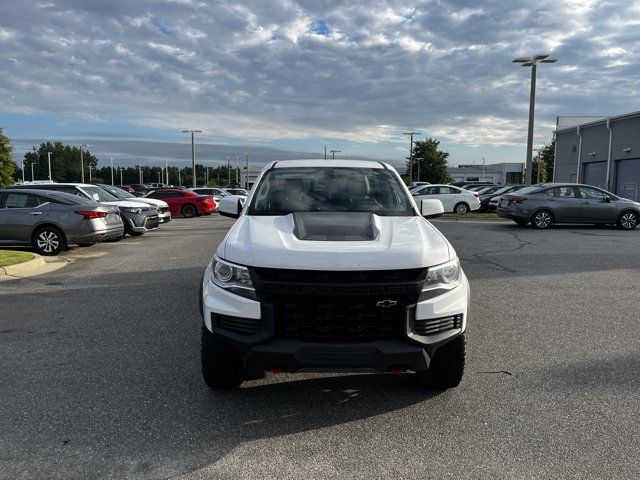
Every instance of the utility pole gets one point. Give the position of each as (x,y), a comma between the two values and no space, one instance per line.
(193,153)
(483,169)
(246,178)
(32,163)
(111,160)
(411,134)
(82,162)
(90,167)
(532,62)
(120,169)
(49,161)
(23,170)
(333,153)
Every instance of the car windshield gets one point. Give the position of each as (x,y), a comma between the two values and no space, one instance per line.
(118,192)
(99,195)
(286,190)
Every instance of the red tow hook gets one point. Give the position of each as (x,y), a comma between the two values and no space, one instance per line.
(276,371)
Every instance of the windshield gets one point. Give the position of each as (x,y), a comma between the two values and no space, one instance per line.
(99,195)
(286,190)
(118,192)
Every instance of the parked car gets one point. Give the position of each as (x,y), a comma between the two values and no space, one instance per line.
(213,191)
(236,191)
(415,185)
(137,217)
(332,265)
(150,186)
(489,202)
(485,189)
(164,214)
(467,183)
(548,204)
(454,199)
(50,221)
(184,202)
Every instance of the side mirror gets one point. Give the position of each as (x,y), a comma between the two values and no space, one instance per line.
(229,207)
(431,208)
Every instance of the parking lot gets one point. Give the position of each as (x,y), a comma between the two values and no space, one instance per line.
(100,375)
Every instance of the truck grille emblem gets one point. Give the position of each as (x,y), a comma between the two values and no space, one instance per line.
(386,303)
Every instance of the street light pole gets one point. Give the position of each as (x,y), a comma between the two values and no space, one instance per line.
(49,161)
(111,160)
(411,134)
(532,62)
(246,177)
(82,162)
(166,170)
(193,153)
(482,169)
(23,170)
(120,169)
(32,163)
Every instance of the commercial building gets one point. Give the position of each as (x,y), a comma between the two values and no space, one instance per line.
(498,173)
(604,153)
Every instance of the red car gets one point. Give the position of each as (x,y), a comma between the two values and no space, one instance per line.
(184,202)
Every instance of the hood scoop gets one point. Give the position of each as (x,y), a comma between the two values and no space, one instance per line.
(334,226)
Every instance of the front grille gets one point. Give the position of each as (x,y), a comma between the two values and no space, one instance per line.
(338,319)
(244,326)
(437,325)
(151,222)
(287,275)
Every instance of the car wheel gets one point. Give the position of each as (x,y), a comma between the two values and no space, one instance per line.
(542,220)
(221,363)
(447,366)
(628,220)
(49,241)
(188,211)
(461,208)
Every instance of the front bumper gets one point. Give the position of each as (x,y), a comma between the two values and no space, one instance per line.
(261,349)
(164,217)
(143,222)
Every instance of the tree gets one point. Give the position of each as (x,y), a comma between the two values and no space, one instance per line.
(65,162)
(545,156)
(7,166)
(430,162)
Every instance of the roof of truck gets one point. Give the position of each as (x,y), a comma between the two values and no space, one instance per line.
(321,162)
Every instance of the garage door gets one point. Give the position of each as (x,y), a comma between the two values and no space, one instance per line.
(595,173)
(628,179)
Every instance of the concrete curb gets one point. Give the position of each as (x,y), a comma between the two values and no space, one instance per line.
(25,268)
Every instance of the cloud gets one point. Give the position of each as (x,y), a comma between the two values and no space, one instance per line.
(351,71)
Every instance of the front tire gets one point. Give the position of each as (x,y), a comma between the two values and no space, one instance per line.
(221,364)
(542,220)
(628,220)
(447,366)
(49,241)
(189,211)
(461,208)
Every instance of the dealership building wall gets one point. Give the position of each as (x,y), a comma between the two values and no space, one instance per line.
(498,173)
(604,153)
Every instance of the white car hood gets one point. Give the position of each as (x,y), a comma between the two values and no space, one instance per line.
(152,201)
(269,241)
(126,204)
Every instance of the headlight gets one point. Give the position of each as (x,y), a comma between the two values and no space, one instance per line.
(135,210)
(232,277)
(441,278)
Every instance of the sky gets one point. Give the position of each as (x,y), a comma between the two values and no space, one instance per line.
(284,78)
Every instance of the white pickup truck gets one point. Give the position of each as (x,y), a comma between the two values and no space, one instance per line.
(331,265)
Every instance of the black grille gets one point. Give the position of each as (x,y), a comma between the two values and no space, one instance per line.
(338,319)
(277,274)
(437,325)
(244,326)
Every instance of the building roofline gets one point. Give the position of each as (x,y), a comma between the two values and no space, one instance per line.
(603,120)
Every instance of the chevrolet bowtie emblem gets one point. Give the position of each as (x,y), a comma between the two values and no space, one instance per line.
(386,303)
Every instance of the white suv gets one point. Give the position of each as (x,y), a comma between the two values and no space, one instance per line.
(332,265)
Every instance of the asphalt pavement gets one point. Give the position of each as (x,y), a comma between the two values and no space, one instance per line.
(100,376)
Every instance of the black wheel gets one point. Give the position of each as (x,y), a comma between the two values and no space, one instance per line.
(461,208)
(49,241)
(189,211)
(522,223)
(542,219)
(447,366)
(628,220)
(221,363)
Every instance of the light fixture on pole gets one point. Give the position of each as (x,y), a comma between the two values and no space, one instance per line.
(411,134)
(49,162)
(193,153)
(333,153)
(82,162)
(532,62)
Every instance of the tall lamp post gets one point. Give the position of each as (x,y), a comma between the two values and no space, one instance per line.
(49,162)
(32,164)
(532,62)
(82,162)
(193,153)
(411,134)
(23,170)
(111,160)
(120,169)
